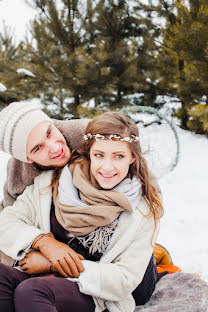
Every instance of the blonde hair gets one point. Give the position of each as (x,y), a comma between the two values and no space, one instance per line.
(120,125)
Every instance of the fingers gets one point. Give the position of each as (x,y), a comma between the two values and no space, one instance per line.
(24,267)
(64,259)
(62,268)
(67,267)
(80,256)
(21,262)
(72,265)
(77,260)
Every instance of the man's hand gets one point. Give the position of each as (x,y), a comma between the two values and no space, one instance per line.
(64,259)
(35,263)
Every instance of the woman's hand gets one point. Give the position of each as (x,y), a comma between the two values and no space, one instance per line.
(64,259)
(35,263)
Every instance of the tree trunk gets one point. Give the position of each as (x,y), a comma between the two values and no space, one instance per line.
(184,116)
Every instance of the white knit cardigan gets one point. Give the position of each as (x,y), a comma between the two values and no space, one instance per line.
(119,271)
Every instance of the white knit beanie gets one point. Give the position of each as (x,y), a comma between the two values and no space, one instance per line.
(16,122)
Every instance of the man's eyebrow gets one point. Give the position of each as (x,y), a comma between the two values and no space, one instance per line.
(34,148)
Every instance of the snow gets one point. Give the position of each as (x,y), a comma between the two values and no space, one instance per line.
(183,229)
(25,71)
(2,87)
(17,15)
(184,226)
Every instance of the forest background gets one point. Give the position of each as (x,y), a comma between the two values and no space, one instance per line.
(84,57)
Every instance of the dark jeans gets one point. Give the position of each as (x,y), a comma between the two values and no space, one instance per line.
(20,293)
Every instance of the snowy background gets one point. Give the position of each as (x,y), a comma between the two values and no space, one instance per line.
(17,15)
(184,227)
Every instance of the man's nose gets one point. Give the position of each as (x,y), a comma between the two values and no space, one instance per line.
(53,147)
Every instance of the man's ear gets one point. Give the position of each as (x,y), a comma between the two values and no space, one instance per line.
(30,161)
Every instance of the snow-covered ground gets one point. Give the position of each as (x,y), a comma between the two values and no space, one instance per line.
(184,227)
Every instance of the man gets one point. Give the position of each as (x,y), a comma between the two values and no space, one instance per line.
(37,143)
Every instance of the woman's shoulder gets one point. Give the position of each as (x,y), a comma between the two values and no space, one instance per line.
(142,208)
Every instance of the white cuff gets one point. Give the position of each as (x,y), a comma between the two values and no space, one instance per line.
(89,279)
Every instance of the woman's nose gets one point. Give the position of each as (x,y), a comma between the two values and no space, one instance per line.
(107,164)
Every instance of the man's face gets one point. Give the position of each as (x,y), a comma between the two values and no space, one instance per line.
(47,147)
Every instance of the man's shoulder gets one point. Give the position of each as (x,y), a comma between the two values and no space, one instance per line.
(71,125)
(22,171)
(20,175)
(73,130)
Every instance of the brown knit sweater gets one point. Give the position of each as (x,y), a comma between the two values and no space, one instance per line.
(20,175)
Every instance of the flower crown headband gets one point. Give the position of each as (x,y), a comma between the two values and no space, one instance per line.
(111,137)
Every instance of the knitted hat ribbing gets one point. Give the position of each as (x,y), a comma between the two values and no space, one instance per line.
(16,122)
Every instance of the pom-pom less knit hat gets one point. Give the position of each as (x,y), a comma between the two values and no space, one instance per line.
(16,122)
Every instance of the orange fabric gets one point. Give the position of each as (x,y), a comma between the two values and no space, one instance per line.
(168,268)
(161,255)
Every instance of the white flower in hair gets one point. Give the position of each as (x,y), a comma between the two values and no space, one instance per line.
(127,139)
(111,137)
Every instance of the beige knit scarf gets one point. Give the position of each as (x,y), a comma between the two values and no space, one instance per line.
(101,207)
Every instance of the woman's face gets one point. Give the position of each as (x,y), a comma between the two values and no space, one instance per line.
(110,161)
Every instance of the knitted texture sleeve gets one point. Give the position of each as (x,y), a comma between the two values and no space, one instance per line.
(28,218)
(19,176)
(17,226)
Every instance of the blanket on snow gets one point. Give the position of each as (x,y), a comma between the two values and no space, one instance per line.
(178,292)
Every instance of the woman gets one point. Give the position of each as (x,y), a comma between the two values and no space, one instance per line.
(106,208)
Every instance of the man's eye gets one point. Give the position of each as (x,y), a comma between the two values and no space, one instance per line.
(49,132)
(37,149)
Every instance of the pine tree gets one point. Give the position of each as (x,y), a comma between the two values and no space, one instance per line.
(185,46)
(60,58)
(18,84)
(148,40)
(116,48)
(102,51)
(198,121)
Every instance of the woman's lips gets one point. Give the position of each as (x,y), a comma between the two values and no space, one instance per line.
(107,176)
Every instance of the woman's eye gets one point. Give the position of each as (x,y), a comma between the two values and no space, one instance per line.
(119,156)
(99,155)
(49,132)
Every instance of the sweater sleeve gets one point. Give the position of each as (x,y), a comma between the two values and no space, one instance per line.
(19,225)
(114,281)
(19,176)
(8,198)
